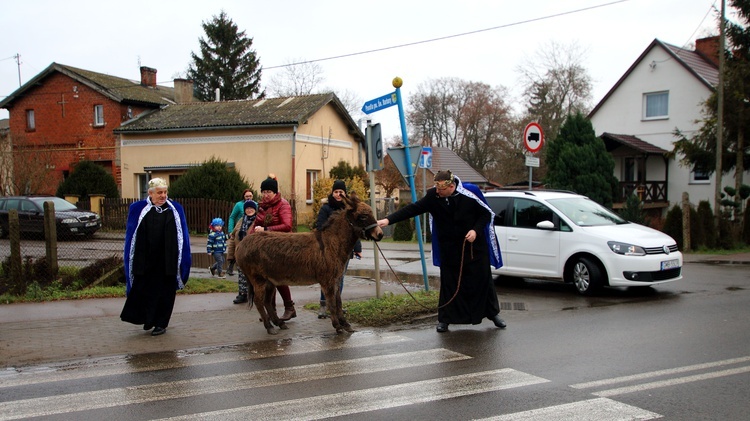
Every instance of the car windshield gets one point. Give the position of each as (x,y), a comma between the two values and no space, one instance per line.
(585,212)
(60,204)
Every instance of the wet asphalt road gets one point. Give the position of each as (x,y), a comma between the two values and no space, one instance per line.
(679,351)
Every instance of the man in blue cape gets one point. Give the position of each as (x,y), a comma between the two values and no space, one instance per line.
(463,246)
(157,258)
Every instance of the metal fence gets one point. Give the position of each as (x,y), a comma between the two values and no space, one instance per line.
(109,241)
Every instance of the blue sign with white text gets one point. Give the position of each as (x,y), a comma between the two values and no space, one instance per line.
(377,104)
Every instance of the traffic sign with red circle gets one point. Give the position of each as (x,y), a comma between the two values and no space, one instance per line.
(533,137)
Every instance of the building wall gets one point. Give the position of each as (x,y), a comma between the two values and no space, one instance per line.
(255,152)
(65,132)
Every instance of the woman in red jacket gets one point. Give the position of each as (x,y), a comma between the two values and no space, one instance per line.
(275,214)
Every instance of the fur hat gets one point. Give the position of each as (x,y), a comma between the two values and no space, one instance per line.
(339,185)
(250,204)
(270,183)
(217,222)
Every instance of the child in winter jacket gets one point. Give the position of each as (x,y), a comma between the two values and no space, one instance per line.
(217,246)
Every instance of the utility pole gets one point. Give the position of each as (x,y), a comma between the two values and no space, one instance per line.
(720,119)
(18,64)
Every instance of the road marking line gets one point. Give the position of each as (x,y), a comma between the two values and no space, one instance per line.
(589,410)
(672,382)
(185,358)
(83,401)
(651,374)
(359,401)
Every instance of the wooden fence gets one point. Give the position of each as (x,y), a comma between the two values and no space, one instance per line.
(198,212)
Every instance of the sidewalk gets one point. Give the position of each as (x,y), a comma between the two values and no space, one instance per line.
(35,333)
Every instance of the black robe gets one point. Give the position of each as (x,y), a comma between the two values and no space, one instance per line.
(453,217)
(151,298)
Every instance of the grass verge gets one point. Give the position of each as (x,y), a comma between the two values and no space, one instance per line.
(388,309)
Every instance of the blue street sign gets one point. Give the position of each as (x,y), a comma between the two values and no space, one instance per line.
(426,159)
(378,104)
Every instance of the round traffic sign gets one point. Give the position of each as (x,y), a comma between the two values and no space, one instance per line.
(533,137)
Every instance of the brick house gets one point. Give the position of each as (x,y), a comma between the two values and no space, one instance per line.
(65,115)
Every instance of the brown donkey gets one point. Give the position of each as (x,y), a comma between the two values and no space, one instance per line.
(270,258)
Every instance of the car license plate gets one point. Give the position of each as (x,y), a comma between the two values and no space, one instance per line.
(670,264)
(91,224)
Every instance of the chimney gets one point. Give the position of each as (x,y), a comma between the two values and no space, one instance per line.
(183,91)
(708,48)
(148,76)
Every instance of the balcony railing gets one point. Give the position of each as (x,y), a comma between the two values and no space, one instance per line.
(647,191)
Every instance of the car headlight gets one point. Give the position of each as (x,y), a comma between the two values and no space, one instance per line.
(626,249)
(69,221)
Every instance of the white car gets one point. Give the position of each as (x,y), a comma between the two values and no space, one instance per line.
(566,236)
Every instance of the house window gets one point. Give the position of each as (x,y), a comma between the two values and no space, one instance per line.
(312,177)
(98,115)
(656,105)
(30,122)
(699,175)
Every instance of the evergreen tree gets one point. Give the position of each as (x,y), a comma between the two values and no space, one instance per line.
(211,180)
(577,160)
(343,170)
(88,178)
(226,62)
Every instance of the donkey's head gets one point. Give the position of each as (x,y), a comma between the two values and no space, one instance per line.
(359,214)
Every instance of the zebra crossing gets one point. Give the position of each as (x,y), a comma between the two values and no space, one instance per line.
(118,385)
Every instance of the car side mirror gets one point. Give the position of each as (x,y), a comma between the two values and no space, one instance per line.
(546,225)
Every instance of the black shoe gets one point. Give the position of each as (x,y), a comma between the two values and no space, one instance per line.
(213,271)
(158,331)
(241,298)
(442,327)
(498,321)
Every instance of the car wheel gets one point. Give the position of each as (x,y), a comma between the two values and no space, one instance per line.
(586,276)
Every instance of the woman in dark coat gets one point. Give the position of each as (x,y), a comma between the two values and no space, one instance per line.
(459,214)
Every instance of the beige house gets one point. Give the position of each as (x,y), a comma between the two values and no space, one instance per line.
(299,139)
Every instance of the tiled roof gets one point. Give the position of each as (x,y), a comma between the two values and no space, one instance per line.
(445,159)
(696,64)
(116,88)
(285,111)
(611,141)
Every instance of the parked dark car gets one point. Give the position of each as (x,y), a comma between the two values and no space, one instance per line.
(70,220)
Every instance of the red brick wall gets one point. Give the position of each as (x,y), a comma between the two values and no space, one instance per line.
(72,137)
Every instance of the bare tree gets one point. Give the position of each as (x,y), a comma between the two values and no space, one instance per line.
(293,79)
(471,118)
(389,178)
(31,165)
(555,84)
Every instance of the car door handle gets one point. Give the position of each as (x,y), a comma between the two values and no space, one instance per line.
(512,238)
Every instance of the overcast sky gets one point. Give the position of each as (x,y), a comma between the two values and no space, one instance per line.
(117,37)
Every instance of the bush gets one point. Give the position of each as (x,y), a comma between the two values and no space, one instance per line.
(746,224)
(211,180)
(706,221)
(673,225)
(322,188)
(404,230)
(88,178)
(633,210)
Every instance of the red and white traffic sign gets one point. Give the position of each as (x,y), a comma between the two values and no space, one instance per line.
(533,137)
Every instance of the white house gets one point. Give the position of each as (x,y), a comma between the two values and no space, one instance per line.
(662,91)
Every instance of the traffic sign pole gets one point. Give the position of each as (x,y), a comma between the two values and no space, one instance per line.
(410,175)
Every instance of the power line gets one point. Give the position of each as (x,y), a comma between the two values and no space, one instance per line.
(449,36)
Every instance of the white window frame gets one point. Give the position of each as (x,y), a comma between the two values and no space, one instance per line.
(698,176)
(30,120)
(311,177)
(98,115)
(653,110)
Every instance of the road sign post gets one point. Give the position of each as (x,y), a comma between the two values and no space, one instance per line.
(533,140)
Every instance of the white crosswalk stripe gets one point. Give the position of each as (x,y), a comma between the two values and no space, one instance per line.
(379,398)
(184,388)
